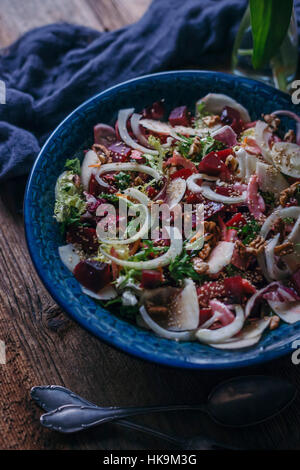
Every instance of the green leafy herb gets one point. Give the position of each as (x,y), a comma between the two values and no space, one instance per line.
(129,311)
(109,197)
(155,143)
(181,267)
(69,204)
(126,311)
(209,144)
(288,220)
(73,165)
(117,300)
(129,277)
(270,20)
(249,231)
(232,270)
(200,110)
(184,145)
(148,250)
(122,180)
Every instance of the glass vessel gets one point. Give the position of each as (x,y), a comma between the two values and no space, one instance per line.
(281,69)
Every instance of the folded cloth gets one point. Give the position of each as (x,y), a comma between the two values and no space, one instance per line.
(51,70)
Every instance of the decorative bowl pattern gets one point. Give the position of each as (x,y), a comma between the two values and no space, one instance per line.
(43,236)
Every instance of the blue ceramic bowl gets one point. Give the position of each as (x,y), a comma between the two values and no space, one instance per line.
(43,237)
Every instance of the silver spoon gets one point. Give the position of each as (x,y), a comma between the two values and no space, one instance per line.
(52,397)
(240,401)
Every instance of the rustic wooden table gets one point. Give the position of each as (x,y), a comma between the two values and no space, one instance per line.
(45,347)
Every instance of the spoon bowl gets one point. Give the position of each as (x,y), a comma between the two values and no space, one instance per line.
(248,400)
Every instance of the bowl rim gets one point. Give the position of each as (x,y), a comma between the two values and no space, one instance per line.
(175,362)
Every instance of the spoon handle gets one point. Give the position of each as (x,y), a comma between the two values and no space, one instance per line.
(50,397)
(74,418)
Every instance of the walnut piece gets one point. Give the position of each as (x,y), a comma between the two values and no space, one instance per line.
(211,121)
(103,153)
(290,136)
(274,323)
(287,193)
(257,246)
(232,163)
(138,181)
(211,237)
(195,148)
(204,253)
(284,249)
(200,266)
(279,227)
(253,249)
(211,232)
(272,121)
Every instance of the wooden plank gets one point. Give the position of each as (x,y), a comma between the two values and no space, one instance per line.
(18,16)
(114,14)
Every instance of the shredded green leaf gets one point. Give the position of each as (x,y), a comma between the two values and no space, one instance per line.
(249,231)
(232,270)
(126,311)
(148,251)
(209,144)
(109,197)
(200,110)
(181,268)
(183,146)
(69,204)
(155,143)
(73,165)
(122,180)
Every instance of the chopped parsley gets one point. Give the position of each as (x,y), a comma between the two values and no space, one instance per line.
(181,268)
(200,110)
(209,144)
(73,165)
(148,251)
(69,204)
(126,311)
(184,145)
(129,277)
(109,197)
(288,220)
(231,270)
(249,231)
(122,180)
(155,143)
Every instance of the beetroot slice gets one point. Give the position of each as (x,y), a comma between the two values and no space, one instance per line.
(179,117)
(151,278)
(85,237)
(119,152)
(156,111)
(93,275)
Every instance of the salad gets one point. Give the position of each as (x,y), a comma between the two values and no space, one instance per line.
(235,272)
